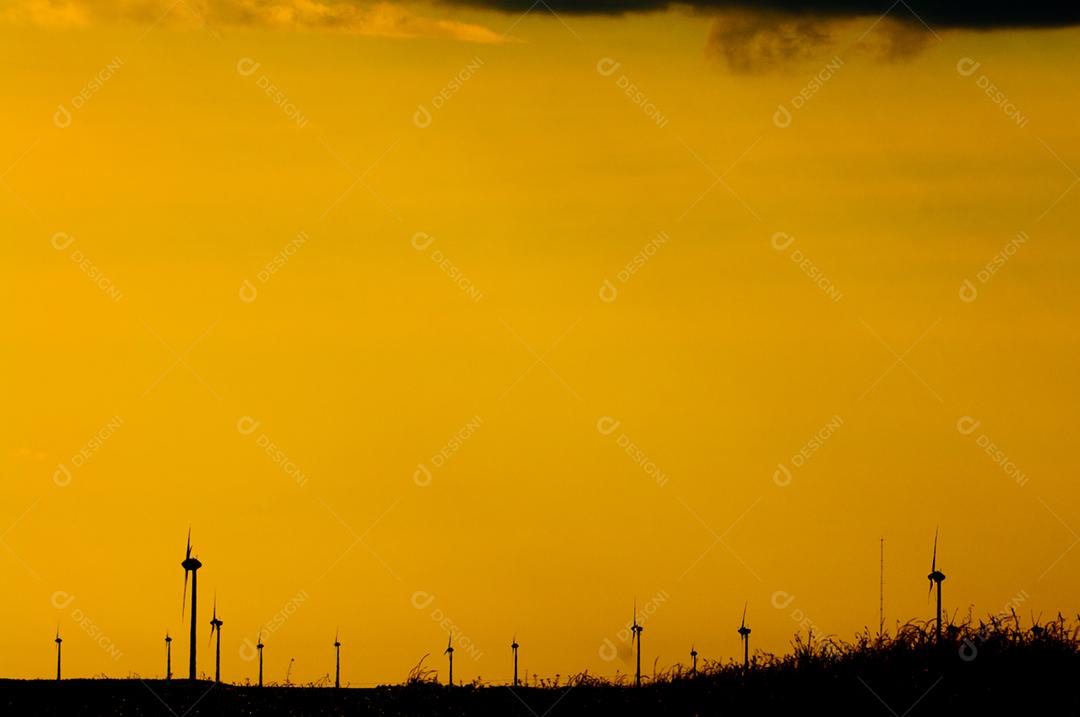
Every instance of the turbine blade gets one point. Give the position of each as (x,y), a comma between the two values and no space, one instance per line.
(743,623)
(183,605)
(933,563)
(188,554)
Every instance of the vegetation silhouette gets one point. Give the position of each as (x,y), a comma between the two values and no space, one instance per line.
(994,665)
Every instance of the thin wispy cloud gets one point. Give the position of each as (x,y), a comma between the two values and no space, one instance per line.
(380,19)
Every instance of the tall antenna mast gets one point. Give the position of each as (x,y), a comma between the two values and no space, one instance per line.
(881,606)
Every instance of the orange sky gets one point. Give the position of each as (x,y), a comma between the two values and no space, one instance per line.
(427,333)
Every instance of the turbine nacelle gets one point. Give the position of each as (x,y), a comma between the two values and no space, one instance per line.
(936,577)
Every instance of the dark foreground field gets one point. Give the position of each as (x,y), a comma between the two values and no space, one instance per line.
(975,671)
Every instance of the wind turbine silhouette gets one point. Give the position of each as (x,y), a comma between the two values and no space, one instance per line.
(260,647)
(58,640)
(693,660)
(514,646)
(191,565)
(936,577)
(215,626)
(337,668)
(450,651)
(635,635)
(744,633)
(168,657)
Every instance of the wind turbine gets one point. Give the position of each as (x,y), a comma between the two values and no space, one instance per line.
(744,633)
(450,651)
(514,646)
(635,635)
(337,669)
(168,657)
(191,565)
(936,577)
(215,626)
(260,647)
(58,640)
(693,660)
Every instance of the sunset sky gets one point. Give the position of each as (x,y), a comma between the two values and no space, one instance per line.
(471,317)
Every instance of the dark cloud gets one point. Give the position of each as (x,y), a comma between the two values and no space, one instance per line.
(763,41)
(943,14)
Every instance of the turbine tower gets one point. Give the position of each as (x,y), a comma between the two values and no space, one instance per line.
(337,667)
(58,640)
(191,565)
(215,626)
(744,633)
(168,657)
(693,660)
(260,647)
(936,577)
(635,635)
(514,646)
(450,651)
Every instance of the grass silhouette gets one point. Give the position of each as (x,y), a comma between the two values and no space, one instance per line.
(992,666)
